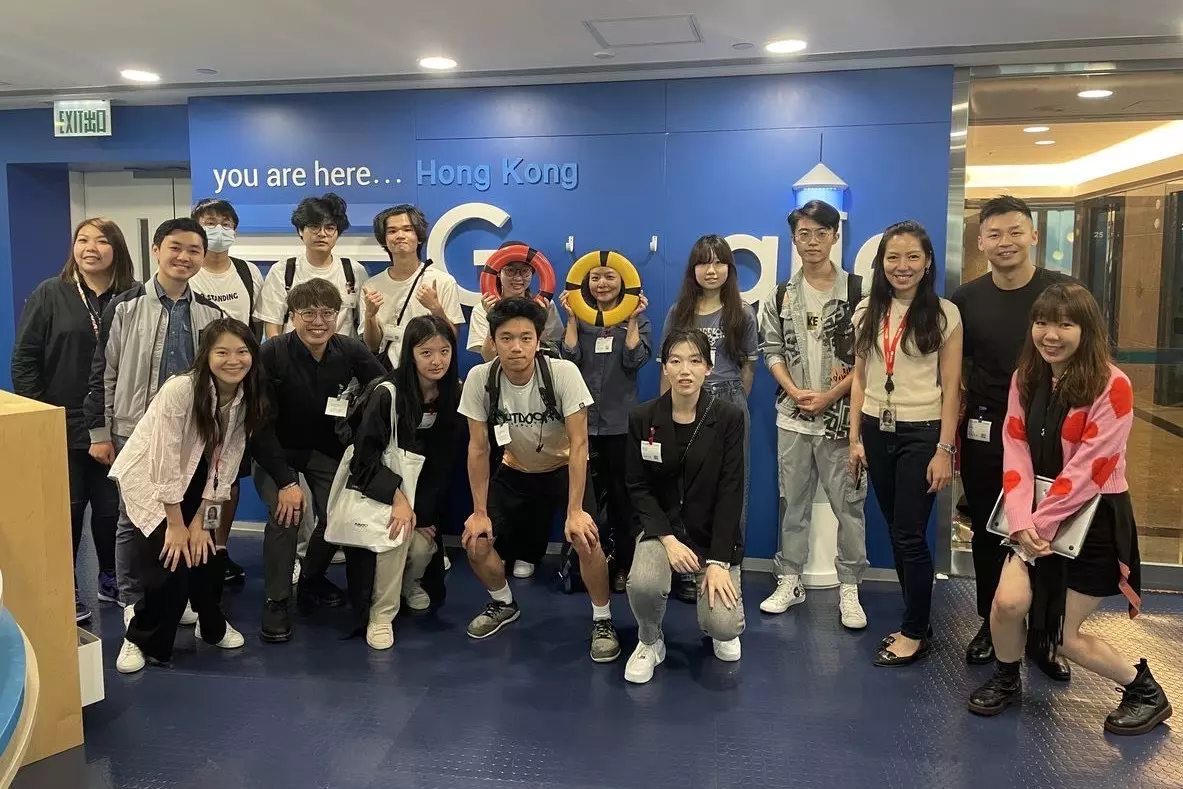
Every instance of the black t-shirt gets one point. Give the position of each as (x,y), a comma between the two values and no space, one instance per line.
(683,434)
(995,324)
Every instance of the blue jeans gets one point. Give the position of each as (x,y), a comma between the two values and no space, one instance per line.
(732,392)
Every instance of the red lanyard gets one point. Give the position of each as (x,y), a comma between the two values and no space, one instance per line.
(890,349)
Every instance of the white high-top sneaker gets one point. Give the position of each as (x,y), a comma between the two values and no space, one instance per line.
(849,608)
(789,592)
(188,616)
(728,651)
(644,659)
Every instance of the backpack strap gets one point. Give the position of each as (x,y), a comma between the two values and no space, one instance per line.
(547,388)
(350,280)
(289,274)
(244,273)
(854,289)
(781,290)
(493,391)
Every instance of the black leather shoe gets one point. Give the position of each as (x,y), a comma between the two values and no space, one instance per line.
(981,649)
(999,692)
(320,591)
(684,588)
(1055,667)
(888,659)
(1143,705)
(276,628)
(620,581)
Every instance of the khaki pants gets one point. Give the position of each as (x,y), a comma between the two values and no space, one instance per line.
(395,569)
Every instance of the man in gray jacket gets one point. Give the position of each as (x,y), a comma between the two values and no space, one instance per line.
(148,334)
(809,349)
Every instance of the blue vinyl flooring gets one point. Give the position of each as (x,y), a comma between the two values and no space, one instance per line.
(528,709)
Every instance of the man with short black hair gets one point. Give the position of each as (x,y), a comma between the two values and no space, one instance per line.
(538,409)
(312,373)
(995,310)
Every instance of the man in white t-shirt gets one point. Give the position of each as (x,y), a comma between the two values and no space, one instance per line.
(320,221)
(537,407)
(407,289)
(234,285)
(809,349)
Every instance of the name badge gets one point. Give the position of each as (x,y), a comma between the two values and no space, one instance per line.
(428,420)
(887,420)
(603,345)
(337,406)
(501,433)
(213,516)
(651,451)
(978,430)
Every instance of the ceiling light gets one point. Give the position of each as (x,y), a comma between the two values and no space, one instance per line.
(1095,93)
(135,75)
(785,46)
(437,63)
(1037,129)
(1045,142)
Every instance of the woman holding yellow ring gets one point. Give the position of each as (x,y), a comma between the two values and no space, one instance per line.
(609,359)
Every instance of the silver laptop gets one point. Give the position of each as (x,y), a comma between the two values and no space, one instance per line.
(1073,531)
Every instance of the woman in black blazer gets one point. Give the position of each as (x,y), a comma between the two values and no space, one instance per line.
(685,479)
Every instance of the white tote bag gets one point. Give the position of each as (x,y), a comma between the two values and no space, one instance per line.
(356,520)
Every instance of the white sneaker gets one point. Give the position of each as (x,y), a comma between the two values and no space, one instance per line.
(296,572)
(339,557)
(231,640)
(726,650)
(447,563)
(417,599)
(188,616)
(789,592)
(522,569)
(130,660)
(850,609)
(379,635)
(644,659)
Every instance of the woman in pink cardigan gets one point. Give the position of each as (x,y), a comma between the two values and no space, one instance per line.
(1068,420)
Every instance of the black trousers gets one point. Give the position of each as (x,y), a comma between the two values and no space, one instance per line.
(154,626)
(607,471)
(89,484)
(897,464)
(981,479)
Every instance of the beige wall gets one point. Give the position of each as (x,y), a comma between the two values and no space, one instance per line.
(1141,277)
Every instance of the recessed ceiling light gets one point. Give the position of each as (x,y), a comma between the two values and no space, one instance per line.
(1037,129)
(1095,93)
(604,54)
(1045,142)
(135,75)
(206,71)
(785,46)
(437,63)
(742,46)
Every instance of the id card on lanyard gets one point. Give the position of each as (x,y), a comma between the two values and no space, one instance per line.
(95,318)
(890,347)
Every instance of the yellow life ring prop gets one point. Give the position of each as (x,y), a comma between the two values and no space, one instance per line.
(630,283)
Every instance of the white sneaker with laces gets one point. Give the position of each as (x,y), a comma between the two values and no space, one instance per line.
(188,616)
(339,557)
(644,659)
(789,592)
(522,569)
(417,599)
(130,660)
(850,609)
(728,651)
(379,635)
(231,640)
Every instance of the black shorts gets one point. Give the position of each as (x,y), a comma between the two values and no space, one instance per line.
(523,506)
(1095,572)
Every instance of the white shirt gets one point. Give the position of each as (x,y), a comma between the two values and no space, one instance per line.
(478,327)
(396,293)
(815,303)
(272,305)
(227,290)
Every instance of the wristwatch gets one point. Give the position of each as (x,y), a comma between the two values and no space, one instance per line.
(717,563)
(950,448)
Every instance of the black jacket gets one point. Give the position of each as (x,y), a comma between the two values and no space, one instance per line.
(54,348)
(699,501)
(437,444)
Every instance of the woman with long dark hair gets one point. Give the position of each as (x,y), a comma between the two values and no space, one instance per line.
(426,387)
(174,474)
(907,393)
(609,360)
(1068,420)
(709,300)
(51,362)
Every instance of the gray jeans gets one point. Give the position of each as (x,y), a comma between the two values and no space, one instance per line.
(127,551)
(803,461)
(649,588)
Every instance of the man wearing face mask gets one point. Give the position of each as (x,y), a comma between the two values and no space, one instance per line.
(233,285)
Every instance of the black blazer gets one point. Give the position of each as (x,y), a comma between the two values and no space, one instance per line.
(699,501)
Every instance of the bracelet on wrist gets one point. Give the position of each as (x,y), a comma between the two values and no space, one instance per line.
(950,449)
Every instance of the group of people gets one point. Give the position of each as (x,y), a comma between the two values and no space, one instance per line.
(171,400)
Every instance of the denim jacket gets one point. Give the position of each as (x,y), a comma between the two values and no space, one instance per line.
(611,377)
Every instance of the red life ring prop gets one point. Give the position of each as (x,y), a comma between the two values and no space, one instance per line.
(518,253)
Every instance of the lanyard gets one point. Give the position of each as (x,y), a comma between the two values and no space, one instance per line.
(411,293)
(95,318)
(889,350)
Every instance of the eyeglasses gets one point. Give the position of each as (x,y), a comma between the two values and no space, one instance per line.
(805,236)
(522,272)
(308,316)
(327,230)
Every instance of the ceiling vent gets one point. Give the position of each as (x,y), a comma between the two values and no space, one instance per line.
(644,31)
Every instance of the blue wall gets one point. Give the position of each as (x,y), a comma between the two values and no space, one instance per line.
(675,159)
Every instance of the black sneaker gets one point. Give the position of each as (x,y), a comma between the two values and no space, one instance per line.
(234,571)
(320,591)
(605,644)
(999,692)
(495,616)
(276,627)
(81,612)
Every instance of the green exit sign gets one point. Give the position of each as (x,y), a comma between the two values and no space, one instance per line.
(82,118)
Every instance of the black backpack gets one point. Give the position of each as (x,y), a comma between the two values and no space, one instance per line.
(244,273)
(289,275)
(546,388)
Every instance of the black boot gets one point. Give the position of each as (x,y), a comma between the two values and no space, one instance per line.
(276,628)
(1052,664)
(981,649)
(999,692)
(684,588)
(1143,705)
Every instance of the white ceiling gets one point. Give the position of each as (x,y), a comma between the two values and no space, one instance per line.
(52,47)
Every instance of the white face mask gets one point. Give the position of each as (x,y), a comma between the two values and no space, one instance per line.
(219,239)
